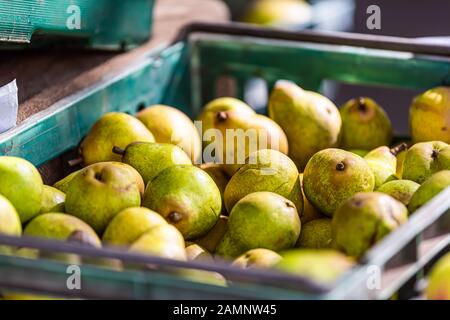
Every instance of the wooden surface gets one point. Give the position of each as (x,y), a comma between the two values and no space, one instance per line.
(44,77)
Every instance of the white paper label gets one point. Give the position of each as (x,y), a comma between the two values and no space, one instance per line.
(8,106)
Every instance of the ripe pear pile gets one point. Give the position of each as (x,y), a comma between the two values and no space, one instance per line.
(311,192)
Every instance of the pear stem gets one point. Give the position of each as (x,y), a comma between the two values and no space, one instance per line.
(118,150)
(399,148)
(75,162)
(362,106)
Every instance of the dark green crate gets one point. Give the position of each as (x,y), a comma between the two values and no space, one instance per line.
(187,75)
(103,24)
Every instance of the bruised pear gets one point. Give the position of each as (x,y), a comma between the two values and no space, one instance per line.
(311,121)
(332,176)
(424,159)
(149,159)
(21,184)
(402,190)
(365,125)
(129,224)
(429,116)
(383,162)
(170,125)
(236,135)
(187,198)
(99,192)
(365,219)
(114,129)
(265,170)
(429,189)
(257,258)
(260,220)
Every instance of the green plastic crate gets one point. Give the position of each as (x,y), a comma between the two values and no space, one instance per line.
(187,75)
(100,24)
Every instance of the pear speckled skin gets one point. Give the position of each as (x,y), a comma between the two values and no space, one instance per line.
(114,129)
(163,241)
(22,185)
(321,266)
(365,125)
(429,116)
(439,280)
(315,234)
(129,224)
(311,121)
(60,226)
(63,184)
(429,189)
(365,219)
(402,190)
(260,220)
(383,164)
(332,176)
(242,131)
(220,177)
(186,197)
(170,125)
(424,159)
(211,239)
(53,200)
(100,192)
(257,259)
(149,159)
(266,170)
(9,218)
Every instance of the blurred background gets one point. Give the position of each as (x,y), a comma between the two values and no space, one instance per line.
(403,18)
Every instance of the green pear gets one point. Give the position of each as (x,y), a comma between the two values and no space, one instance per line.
(429,189)
(257,258)
(260,220)
(265,170)
(383,162)
(332,176)
(213,110)
(64,227)
(114,129)
(309,211)
(211,239)
(163,241)
(100,192)
(220,177)
(365,125)
(9,218)
(439,280)
(424,159)
(53,200)
(63,184)
(402,190)
(359,152)
(400,160)
(129,224)
(201,276)
(170,125)
(236,135)
(365,219)
(22,185)
(311,121)
(194,252)
(429,116)
(321,266)
(315,234)
(186,197)
(279,12)
(149,159)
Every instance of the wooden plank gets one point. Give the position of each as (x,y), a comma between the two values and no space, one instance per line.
(44,77)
